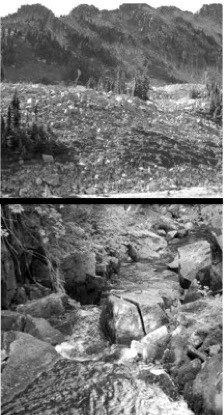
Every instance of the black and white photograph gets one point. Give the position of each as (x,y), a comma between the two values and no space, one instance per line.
(111,309)
(110,99)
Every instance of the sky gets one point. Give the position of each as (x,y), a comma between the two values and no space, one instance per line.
(60,7)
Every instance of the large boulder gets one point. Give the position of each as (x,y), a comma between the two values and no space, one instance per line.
(54,304)
(193,258)
(27,358)
(37,327)
(120,321)
(42,330)
(131,315)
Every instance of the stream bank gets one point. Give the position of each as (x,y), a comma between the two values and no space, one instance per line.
(152,336)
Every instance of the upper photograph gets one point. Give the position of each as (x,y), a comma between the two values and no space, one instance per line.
(111,100)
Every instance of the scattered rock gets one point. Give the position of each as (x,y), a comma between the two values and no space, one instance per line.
(189,226)
(38,181)
(172,235)
(52,180)
(161,378)
(192,294)
(149,243)
(161,232)
(214,350)
(206,393)
(47,158)
(174,265)
(187,373)
(174,210)
(154,344)
(181,233)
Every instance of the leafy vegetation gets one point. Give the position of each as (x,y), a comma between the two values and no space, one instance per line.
(41,224)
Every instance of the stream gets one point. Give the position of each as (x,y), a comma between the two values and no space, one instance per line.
(94,377)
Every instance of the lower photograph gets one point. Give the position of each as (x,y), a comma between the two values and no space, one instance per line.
(111,309)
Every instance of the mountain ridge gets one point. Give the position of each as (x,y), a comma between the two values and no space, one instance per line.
(165,43)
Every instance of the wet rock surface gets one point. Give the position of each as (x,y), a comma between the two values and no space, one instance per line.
(144,347)
(27,358)
(54,304)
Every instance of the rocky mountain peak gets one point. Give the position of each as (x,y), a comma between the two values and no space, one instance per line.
(36,11)
(212,11)
(84,10)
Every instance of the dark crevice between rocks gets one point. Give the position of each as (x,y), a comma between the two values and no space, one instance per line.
(140,314)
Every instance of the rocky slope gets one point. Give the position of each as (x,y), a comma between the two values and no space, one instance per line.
(168,44)
(116,143)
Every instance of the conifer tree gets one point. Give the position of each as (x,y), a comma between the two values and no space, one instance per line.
(3,132)
(9,120)
(16,110)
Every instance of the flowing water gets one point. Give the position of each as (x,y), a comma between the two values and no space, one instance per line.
(93,377)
